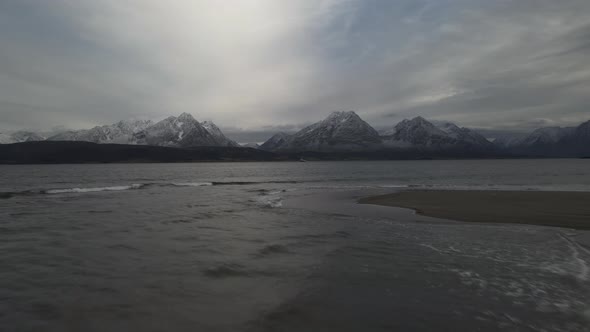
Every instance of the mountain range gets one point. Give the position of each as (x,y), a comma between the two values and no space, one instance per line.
(346,131)
(339,133)
(553,142)
(182,131)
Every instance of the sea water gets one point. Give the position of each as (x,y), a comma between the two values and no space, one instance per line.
(217,247)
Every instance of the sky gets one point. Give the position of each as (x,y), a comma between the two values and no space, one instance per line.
(255,67)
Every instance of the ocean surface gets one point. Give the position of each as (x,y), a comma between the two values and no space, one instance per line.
(281,247)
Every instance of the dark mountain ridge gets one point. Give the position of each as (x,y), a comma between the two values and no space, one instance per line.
(340,136)
(65,152)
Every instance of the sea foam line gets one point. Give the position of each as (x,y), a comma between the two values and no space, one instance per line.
(192,184)
(575,248)
(96,189)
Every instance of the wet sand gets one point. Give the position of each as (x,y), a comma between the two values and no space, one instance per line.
(561,209)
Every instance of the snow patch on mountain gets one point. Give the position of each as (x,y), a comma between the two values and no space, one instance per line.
(547,135)
(417,132)
(464,135)
(20,136)
(216,132)
(121,132)
(181,131)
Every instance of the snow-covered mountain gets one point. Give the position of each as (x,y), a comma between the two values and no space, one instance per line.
(216,132)
(121,132)
(547,135)
(465,135)
(20,136)
(5,138)
(582,132)
(417,132)
(538,139)
(340,131)
(576,141)
(420,133)
(181,131)
(276,141)
(553,142)
(347,131)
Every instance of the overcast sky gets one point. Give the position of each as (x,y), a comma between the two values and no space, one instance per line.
(256,66)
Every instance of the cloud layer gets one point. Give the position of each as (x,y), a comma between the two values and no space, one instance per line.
(257,65)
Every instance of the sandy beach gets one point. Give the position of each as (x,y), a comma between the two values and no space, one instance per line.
(562,209)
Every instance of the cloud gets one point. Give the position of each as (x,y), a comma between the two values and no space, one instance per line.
(255,65)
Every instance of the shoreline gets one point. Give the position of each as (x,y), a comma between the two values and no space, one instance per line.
(543,208)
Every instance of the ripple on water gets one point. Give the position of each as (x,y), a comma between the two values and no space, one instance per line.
(233,270)
(225,271)
(272,249)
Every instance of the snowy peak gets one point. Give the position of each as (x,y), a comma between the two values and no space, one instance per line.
(341,116)
(418,132)
(121,133)
(417,123)
(275,142)
(19,137)
(465,135)
(133,126)
(26,136)
(181,131)
(340,131)
(184,131)
(5,138)
(450,128)
(185,118)
(421,133)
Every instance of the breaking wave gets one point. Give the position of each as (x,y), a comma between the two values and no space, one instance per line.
(243,183)
(81,190)
(192,184)
(270,201)
(90,190)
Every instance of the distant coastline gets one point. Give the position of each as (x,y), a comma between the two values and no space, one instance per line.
(68,152)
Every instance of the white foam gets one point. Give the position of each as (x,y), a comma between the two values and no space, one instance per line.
(192,184)
(271,201)
(89,190)
(577,257)
(342,187)
(276,192)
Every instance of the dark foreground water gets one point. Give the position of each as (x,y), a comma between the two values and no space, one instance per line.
(281,247)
